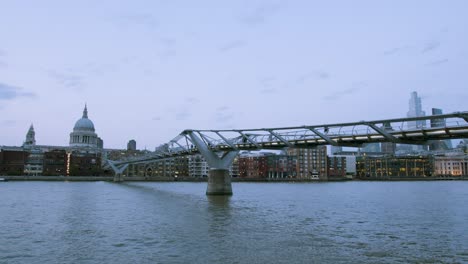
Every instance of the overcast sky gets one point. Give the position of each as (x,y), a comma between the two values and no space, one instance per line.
(150,69)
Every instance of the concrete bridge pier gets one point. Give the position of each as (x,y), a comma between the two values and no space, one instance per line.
(219,180)
(118,171)
(118,177)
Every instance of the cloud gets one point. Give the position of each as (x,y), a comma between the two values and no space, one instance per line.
(395,50)
(223,114)
(9,92)
(433,45)
(222,108)
(2,55)
(224,117)
(168,42)
(267,84)
(437,62)
(7,123)
(143,19)
(355,87)
(183,114)
(260,14)
(319,75)
(167,54)
(68,80)
(268,91)
(179,113)
(267,80)
(232,45)
(192,100)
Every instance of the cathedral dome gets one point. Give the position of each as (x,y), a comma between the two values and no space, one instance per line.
(84,124)
(84,135)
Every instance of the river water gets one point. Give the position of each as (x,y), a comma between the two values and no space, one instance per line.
(148,222)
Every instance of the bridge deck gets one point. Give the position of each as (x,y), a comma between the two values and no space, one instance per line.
(401,130)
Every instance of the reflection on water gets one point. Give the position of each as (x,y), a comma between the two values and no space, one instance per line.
(219,201)
(352,222)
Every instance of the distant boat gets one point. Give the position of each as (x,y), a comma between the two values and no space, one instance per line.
(3,180)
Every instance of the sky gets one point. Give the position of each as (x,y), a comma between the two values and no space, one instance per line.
(147,70)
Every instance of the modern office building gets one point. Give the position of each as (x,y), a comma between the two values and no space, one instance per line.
(388,167)
(34,162)
(439,145)
(415,110)
(335,150)
(198,167)
(131,145)
(371,148)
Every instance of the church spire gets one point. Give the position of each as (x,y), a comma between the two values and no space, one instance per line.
(85,111)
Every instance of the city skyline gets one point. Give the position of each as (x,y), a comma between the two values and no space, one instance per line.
(148,74)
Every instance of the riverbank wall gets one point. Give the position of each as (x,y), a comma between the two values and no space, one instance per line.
(190,179)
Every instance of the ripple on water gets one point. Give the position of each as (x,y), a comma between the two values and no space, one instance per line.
(119,245)
(16,256)
(132,239)
(358,245)
(378,254)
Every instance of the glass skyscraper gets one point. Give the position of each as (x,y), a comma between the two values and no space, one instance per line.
(415,110)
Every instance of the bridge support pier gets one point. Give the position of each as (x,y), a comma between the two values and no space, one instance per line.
(118,171)
(219,182)
(118,177)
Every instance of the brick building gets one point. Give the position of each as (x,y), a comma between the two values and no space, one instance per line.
(12,161)
(253,167)
(55,162)
(336,167)
(281,166)
(311,163)
(84,164)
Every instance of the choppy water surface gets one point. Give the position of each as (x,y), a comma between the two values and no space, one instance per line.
(350,222)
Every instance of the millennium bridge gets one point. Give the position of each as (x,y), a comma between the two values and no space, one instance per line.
(220,147)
